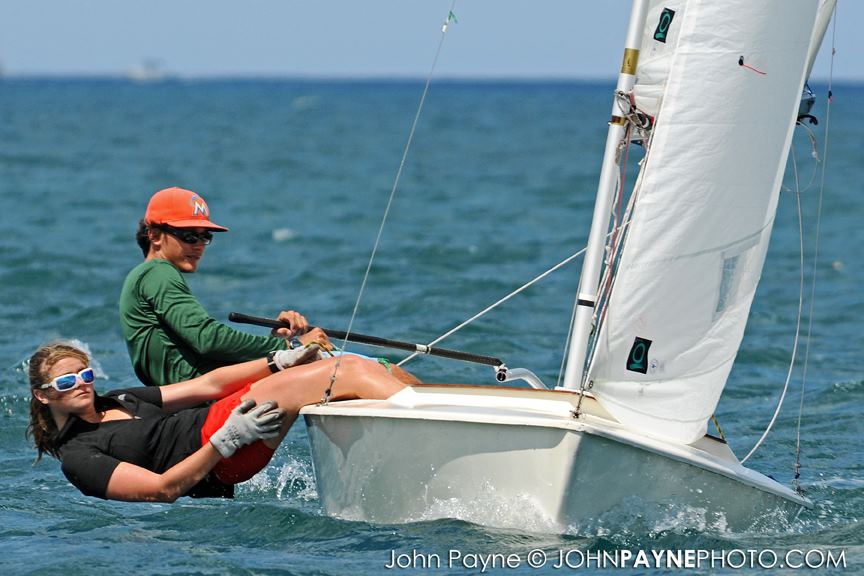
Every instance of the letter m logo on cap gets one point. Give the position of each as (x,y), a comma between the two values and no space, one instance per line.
(200,207)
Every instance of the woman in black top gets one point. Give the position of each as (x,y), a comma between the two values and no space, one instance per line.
(157,444)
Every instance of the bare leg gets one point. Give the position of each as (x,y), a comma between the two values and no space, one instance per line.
(404,376)
(302,385)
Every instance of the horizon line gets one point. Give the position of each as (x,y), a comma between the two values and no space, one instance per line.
(406,78)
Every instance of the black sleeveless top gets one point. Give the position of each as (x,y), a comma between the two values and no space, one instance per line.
(152,439)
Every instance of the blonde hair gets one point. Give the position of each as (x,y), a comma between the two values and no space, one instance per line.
(42,428)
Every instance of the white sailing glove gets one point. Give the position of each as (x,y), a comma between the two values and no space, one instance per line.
(281,359)
(246,425)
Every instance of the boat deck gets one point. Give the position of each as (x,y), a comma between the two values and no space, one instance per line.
(528,406)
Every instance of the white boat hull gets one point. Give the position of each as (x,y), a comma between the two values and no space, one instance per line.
(511,457)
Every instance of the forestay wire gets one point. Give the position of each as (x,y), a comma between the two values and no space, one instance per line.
(451,17)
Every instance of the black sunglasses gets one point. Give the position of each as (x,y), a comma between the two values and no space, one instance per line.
(188,236)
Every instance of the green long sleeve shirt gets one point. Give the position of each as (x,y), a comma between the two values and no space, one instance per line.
(170,336)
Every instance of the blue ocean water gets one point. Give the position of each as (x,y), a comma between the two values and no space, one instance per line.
(498,187)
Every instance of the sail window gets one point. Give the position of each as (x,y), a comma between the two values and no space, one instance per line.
(735,276)
(727,283)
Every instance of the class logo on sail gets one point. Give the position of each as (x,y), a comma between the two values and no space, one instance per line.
(637,360)
(663,25)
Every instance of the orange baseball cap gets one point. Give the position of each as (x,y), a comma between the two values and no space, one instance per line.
(180,208)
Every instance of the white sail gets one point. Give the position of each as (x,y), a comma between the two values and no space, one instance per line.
(704,211)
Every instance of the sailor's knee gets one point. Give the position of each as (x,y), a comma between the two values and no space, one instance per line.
(354,363)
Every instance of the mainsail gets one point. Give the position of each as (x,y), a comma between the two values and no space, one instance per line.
(705,205)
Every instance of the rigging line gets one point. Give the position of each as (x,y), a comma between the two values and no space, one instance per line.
(450,17)
(498,303)
(800,312)
(603,298)
(616,212)
(604,302)
(814,153)
(614,246)
(504,299)
(815,255)
(638,120)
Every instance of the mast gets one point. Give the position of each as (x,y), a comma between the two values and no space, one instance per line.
(592,265)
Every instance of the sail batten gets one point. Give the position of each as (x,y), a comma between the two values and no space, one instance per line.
(707,198)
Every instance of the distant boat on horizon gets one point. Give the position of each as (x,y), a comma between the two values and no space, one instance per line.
(150,71)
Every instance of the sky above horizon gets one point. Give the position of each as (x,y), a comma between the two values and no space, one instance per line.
(556,39)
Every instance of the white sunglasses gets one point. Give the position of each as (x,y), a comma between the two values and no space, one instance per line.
(70,381)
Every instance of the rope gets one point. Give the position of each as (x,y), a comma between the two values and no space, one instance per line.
(717,425)
(613,247)
(815,258)
(450,17)
(800,312)
(814,152)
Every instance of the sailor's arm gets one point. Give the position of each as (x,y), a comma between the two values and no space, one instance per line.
(214,385)
(246,424)
(136,484)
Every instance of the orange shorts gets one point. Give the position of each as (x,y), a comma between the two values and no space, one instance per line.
(247,460)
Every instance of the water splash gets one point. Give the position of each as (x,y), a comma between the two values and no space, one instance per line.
(634,520)
(491,508)
(853,386)
(291,481)
(23,366)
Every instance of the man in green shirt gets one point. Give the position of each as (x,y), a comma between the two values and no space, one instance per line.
(170,336)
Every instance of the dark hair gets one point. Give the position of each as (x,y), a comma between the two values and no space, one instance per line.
(42,427)
(142,237)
